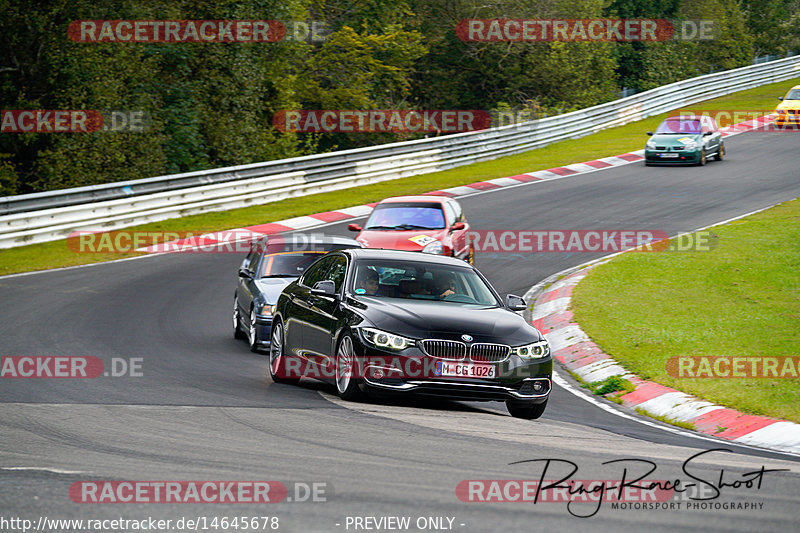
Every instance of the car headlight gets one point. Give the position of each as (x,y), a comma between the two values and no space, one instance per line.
(536,350)
(434,247)
(651,145)
(265,309)
(780,111)
(691,145)
(384,339)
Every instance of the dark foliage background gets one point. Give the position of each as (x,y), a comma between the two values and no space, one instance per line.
(211,105)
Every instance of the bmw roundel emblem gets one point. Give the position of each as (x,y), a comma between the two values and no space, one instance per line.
(466,338)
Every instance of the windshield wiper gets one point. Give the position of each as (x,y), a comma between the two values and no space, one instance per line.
(401,227)
(414,226)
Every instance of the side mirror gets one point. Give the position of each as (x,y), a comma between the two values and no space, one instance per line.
(458,226)
(706,134)
(354,227)
(324,288)
(649,133)
(780,98)
(244,273)
(515,303)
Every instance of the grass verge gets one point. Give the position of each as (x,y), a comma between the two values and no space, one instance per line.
(742,299)
(606,143)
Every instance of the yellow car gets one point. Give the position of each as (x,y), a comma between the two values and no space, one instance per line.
(788,111)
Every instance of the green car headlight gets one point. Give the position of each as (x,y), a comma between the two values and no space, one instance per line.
(384,339)
(536,350)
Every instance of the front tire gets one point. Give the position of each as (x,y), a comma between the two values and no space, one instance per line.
(720,153)
(702,161)
(237,320)
(252,332)
(525,409)
(346,382)
(277,359)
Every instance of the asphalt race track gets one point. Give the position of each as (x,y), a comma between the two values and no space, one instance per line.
(203,408)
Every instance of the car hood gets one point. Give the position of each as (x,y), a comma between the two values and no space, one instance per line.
(789,104)
(421,319)
(270,288)
(663,139)
(399,240)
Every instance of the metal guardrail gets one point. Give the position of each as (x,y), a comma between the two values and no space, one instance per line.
(41,217)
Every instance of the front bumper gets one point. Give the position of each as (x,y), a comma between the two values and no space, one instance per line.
(788,118)
(463,390)
(656,157)
(263,331)
(410,373)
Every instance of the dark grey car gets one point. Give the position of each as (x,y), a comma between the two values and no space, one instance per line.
(274,262)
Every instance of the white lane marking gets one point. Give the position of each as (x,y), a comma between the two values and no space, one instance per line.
(302,222)
(600,370)
(782,435)
(678,405)
(42,469)
(561,382)
(355,211)
(546,176)
(556,305)
(581,168)
(462,190)
(503,182)
(565,337)
(566,282)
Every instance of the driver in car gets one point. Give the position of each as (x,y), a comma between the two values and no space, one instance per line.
(368,281)
(445,285)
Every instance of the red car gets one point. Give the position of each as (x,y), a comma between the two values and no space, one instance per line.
(428,224)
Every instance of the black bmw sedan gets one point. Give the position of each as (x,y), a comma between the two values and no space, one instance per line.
(273,262)
(392,321)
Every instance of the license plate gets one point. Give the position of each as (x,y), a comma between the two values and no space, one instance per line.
(465,370)
(668,155)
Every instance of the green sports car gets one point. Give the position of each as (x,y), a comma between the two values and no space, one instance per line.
(684,140)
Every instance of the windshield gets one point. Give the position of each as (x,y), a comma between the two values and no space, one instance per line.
(679,125)
(288,264)
(422,281)
(794,94)
(406,216)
